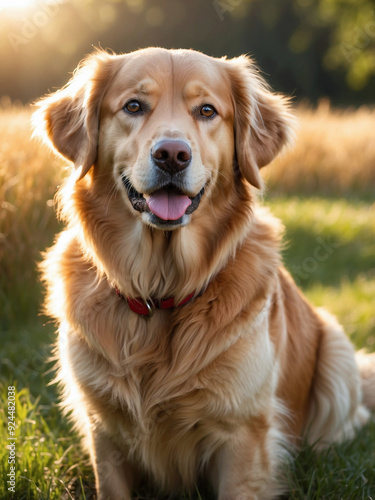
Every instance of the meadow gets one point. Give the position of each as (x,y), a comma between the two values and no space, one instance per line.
(323,190)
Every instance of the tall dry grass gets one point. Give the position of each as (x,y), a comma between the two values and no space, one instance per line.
(28,179)
(333,154)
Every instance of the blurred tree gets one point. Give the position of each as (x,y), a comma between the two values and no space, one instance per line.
(351,26)
(306,48)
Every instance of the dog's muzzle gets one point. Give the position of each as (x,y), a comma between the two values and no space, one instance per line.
(168,205)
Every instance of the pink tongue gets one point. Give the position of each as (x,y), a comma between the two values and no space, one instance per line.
(168,205)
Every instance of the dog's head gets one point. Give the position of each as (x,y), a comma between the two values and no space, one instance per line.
(171,128)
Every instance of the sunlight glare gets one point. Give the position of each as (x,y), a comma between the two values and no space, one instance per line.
(12,5)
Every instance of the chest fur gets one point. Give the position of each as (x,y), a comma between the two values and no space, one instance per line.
(140,396)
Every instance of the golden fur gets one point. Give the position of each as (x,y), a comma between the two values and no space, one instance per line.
(220,387)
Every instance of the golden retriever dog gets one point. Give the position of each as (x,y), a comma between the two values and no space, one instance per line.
(185,349)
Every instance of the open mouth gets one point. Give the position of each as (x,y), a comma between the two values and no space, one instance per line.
(168,205)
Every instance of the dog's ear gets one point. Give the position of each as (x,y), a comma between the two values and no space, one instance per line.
(68,120)
(263,123)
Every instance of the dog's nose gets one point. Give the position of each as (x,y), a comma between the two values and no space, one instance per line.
(171,155)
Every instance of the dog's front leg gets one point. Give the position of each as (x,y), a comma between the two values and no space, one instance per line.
(113,474)
(247,466)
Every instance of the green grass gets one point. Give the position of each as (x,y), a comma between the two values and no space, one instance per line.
(344,471)
(342,278)
(50,462)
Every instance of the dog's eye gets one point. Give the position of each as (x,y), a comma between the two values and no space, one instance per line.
(208,111)
(133,106)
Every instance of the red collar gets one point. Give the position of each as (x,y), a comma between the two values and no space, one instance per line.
(146,308)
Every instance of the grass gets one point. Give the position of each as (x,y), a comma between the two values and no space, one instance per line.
(321,191)
(333,154)
(49,464)
(28,180)
(344,471)
(342,234)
